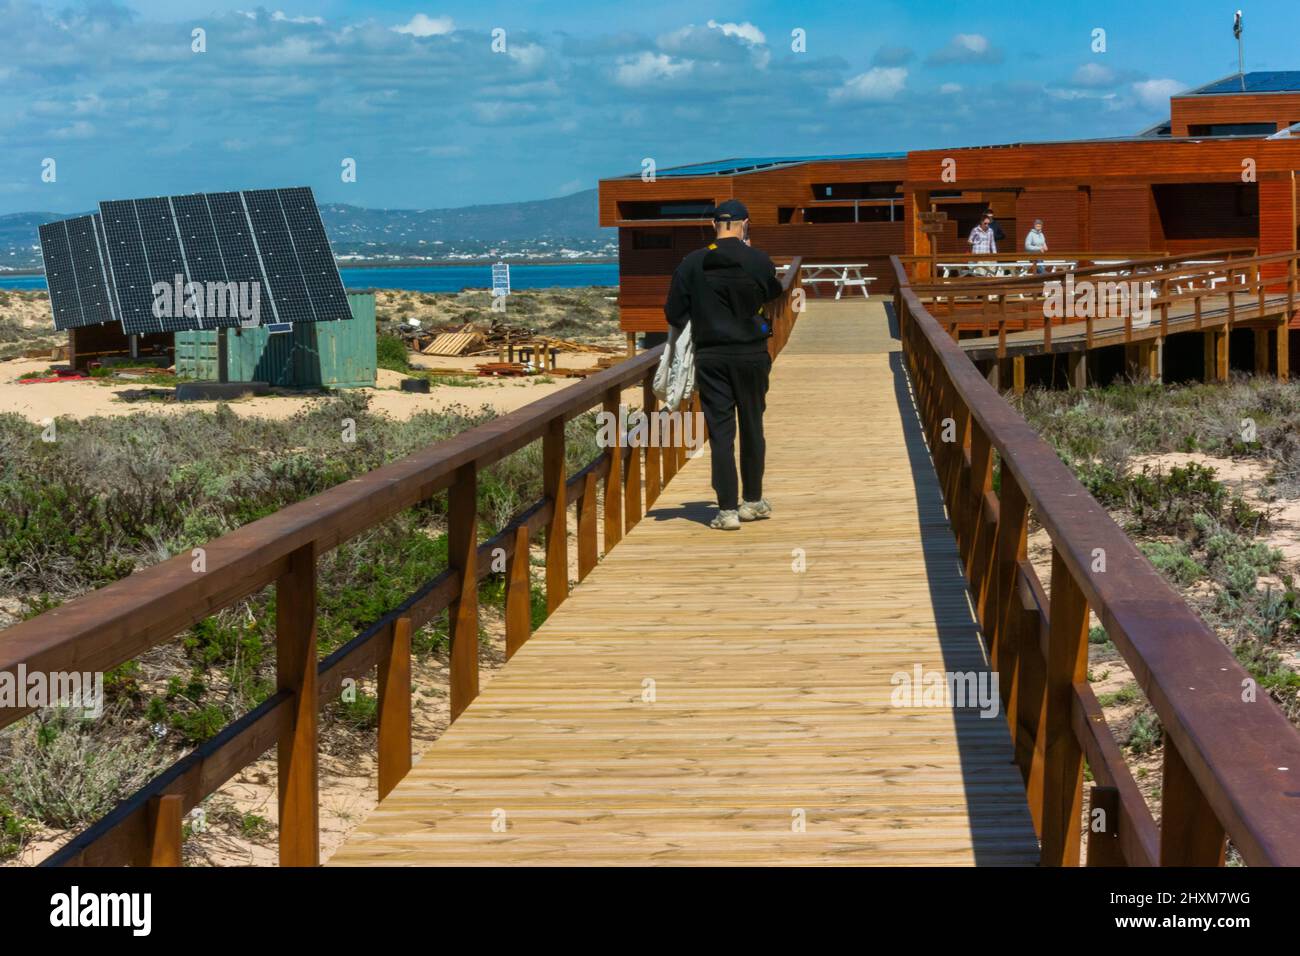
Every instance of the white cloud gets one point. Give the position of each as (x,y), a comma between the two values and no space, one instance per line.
(283,17)
(423,25)
(950,88)
(647,68)
(528,55)
(1094,75)
(968,48)
(1154,94)
(746,31)
(877,84)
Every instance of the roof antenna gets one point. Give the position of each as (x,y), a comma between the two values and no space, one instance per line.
(1236,32)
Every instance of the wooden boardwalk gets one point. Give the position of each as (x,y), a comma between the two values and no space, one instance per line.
(700,700)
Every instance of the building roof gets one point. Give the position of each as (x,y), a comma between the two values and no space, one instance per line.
(1285,81)
(732,167)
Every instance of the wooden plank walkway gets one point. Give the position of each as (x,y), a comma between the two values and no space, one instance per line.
(771,687)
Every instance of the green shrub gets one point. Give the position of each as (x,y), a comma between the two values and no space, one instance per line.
(391,353)
(1145,734)
(1173,561)
(67,771)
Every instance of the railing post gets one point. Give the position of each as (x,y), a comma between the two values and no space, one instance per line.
(166,829)
(979,559)
(613,476)
(395,708)
(632,486)
(587,551)
(462,560)
(519,585)
(1010,547)
(1103,827)
(649,405)
(1067,662)
(1190,833)
(557,533)
(295,666)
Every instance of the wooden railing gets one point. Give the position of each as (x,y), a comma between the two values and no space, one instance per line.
(117,623)
(924,270)
(1256,289)
(1231,758)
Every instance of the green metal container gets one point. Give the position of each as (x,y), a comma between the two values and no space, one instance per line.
(313,355)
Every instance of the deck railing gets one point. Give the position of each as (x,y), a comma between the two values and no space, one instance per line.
(1231,758)
(117,623)
(1201,294)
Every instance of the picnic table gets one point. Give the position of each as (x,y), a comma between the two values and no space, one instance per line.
(843,275)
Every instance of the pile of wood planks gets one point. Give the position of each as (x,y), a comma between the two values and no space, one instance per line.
(456,343)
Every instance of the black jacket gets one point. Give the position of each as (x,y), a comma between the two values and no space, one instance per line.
(720,290)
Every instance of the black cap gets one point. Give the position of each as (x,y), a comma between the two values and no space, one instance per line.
(730,210)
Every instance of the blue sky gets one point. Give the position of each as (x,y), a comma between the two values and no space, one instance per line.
(414,93)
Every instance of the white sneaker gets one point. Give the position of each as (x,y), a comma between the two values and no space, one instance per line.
(726,521)
(754,510)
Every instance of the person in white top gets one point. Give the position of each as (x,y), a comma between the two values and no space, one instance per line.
(1035,241)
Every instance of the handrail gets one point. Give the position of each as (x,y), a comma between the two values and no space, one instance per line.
(116,623)
(1231,765)
(1155,264)
(1264,285)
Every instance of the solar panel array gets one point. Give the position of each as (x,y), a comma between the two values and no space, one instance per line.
(76,273)
(104,268)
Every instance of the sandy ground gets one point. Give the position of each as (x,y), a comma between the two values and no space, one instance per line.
(85,398)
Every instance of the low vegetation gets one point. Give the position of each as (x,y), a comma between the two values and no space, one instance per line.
(1154,456)
(111,495)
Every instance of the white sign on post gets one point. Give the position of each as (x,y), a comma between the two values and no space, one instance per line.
(500,279)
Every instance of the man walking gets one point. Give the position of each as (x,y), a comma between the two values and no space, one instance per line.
(720,291)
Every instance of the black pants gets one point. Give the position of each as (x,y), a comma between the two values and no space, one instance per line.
(732,385)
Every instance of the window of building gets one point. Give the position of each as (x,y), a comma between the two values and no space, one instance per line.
(667,209)
(1231,129)
(869,190)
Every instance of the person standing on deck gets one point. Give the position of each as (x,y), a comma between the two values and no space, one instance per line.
(1035,241)
(998,234)
(982,243)
(720,290)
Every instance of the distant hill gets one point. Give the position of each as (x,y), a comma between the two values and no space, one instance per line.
(540,227)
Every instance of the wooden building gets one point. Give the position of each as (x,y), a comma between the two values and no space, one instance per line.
(1219,173)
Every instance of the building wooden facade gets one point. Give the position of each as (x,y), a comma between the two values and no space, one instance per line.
(1166,190)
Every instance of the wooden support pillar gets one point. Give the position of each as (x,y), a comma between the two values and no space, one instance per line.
(1077,363)
(295,669)
(1103,827)
(1262,357)
(631,344)
(614,476)
(650,406)
(1190,833)
(1067,664)
(1018,374)
(1282,348)
(462,561)
(166,829)
(1221,355)
(1156,360)
(395,708)
(557,534)
(519,584)
(1209,352)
